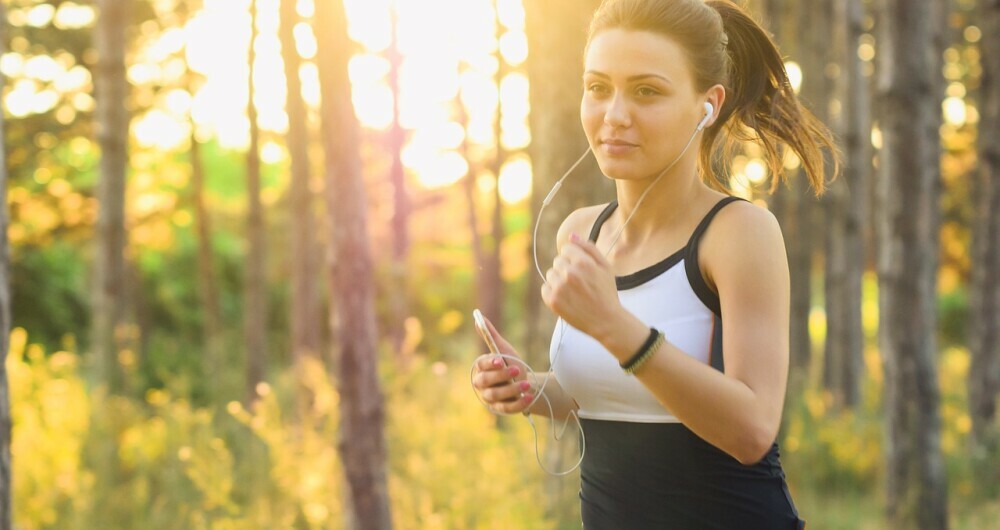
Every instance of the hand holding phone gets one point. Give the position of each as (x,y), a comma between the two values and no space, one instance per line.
(502,386)
(484,332)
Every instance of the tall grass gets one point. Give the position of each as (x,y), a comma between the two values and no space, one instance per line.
(180,466)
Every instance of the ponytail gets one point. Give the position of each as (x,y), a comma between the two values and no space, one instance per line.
(761,100)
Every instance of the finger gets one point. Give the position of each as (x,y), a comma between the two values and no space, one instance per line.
(515,371)
(488,362)
(562,262)
(513,407)
(546,292)
(505,347)
(589,248)
(505,393)
(554,276)
(494,378)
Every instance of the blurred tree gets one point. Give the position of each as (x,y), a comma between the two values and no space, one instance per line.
(909,164)
(845,205)
(255,286)
(112,122)
(984,342)
(808,221)
(401,209)
(491,283)
(555,70)
(362,442)
(208,290)
(305,310)
(470,189)
(6,517)
(488,296)
(790,203)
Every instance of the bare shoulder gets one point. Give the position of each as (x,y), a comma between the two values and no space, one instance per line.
(744,239)
(743,219)
(579,221)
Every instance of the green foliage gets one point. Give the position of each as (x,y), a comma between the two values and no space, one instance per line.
(49,287)
(179,466)
(953,317)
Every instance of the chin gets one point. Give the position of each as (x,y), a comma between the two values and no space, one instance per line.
(618,171)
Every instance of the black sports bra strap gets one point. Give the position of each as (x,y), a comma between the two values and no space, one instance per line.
(605,213)
(703,225)
(693,271)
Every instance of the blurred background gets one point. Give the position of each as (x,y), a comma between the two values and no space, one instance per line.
(245,238)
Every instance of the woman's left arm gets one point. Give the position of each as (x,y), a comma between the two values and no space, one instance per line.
(738,411)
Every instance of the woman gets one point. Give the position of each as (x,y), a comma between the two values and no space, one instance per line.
(680,413)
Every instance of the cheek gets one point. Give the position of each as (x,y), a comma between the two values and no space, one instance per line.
(591,116)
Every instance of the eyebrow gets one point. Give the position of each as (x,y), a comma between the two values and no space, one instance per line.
(630,78)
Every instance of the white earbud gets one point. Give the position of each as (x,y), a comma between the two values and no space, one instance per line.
(709,110)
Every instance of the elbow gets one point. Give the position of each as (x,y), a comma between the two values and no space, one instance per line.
(754,445)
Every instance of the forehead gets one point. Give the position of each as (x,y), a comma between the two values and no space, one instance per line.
(622,53)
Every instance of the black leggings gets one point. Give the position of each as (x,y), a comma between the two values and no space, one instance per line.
(662,476)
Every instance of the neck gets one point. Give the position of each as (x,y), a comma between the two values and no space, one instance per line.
(665,206)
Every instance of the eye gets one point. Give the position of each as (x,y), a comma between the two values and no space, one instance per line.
(647,91)
(598,89)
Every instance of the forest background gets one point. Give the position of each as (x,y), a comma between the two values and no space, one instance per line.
(236,281)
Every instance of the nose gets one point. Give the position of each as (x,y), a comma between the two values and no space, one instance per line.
(617,113)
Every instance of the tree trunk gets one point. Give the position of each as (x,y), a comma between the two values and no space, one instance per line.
(305,310)
(491,285)
(984,373)
(555,67)
(362,444)
(112,121)
(916,489)
(255,288)
(787,204)
(470,189)
(401,203)
(844,257)
(6,516)
(800,207)
(208,289)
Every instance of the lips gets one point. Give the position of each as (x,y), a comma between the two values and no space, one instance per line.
(615,147)
(617,143)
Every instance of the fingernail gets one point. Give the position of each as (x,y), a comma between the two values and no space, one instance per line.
(525,385)
(514,371)
(528,398)
(496,362)
(573,237)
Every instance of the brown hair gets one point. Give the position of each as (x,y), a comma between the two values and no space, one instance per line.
(725,46)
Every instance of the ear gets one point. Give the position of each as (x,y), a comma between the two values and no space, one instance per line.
(716,96)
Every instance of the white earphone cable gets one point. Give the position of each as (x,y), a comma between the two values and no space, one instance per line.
(540,392)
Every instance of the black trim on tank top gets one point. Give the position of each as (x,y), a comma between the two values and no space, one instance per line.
(715,357)
(687,252)
(601,218)
(697,281)
(642,276)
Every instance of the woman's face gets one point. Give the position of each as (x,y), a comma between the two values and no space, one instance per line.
(640,106)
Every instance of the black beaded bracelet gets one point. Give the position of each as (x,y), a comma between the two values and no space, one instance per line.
(652,343)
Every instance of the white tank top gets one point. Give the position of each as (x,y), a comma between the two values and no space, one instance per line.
(672,297)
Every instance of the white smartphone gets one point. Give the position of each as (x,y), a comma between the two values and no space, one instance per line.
(484,332)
